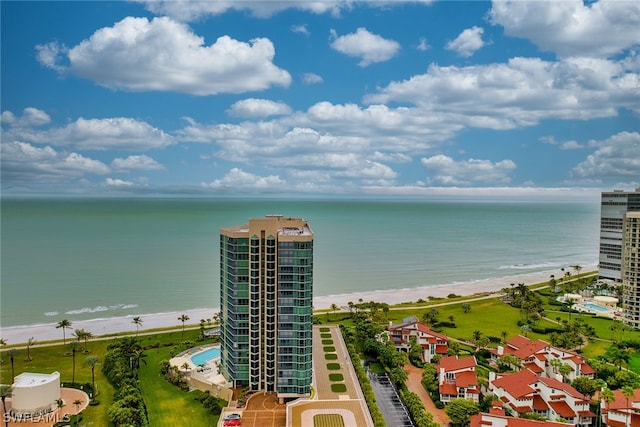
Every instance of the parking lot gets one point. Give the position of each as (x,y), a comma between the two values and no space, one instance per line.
(389,403)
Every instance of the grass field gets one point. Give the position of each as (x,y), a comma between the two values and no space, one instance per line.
(166,404)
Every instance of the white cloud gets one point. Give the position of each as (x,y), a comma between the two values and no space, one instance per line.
(369,47)
(141,162)
(258,108)
(120,133)
(301,29)
(521,92)
(616,157)
(238,179)
(311,78)
(448,171)
(118,183)
(185,10)
(23,162)
(423,45)
(571,27)
(571,145)
(30,117)
(163,55)
(469,41)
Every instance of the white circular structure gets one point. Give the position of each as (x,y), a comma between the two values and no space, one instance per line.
(35,394)
(605,300)
(572,297)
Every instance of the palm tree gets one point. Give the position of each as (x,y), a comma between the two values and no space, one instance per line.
(183,319)
(12,353)
(77,404)
(74,347)
(64,324)
(138,322)
(92,361)
(334,308)
(31,342)
(5,391)
(608,396)
(627,392)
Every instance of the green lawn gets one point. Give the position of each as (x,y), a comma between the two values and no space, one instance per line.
(634,362)
(50,359)
(166,404)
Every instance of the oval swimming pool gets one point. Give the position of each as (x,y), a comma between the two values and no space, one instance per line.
(204,356)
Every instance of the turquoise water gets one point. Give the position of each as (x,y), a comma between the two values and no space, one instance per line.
(204,356)
(595,307)
(80,259)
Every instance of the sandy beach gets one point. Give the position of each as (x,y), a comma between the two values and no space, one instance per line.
(47,332)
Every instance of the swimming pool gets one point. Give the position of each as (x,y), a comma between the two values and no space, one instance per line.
(595,307)
(204,356)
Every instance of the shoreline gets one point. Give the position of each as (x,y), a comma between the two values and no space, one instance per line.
(111,325)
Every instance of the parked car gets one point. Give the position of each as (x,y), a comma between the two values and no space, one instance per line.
(232,422)
(232,417)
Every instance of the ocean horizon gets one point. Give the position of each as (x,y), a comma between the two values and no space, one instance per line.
(82,259)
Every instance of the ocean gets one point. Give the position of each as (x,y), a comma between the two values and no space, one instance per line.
(80,259)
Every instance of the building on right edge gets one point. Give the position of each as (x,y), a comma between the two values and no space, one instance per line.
(631,269)
(613,208)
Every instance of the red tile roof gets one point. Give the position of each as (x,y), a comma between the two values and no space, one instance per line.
(486,419)
(562,408)
(453,363)
(539,404)
(466,379)
(517,384)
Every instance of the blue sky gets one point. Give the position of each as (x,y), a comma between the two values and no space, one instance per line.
(352,98)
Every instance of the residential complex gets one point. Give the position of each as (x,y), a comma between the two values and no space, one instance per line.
(619,248)
(432,343)
(525,392)
(613,209)
(631,269)
(266,299)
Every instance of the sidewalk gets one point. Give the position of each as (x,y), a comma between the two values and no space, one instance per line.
(414,384)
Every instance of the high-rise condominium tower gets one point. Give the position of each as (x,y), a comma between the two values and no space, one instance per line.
(614,207)
(631,269)
(266,299)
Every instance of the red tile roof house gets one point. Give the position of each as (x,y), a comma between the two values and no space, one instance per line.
(457,378)
(524,391)
(620,412)
(432,342)
(497,418)
(537,355)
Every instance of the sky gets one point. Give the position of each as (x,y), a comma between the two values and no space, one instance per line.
(315,98)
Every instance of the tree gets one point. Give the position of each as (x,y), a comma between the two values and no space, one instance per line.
(586,386)
(77,404)
(91,362)
(475,335)
(334,308)
(608,396)
(183,319)
(138,322)
(564,370)
(504,334)
(460,411)
(466,307)
(431,316)
(5,391)
(12,354)
(30,343)
(74,348)
(398,376)
(64,325)
(628,393)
